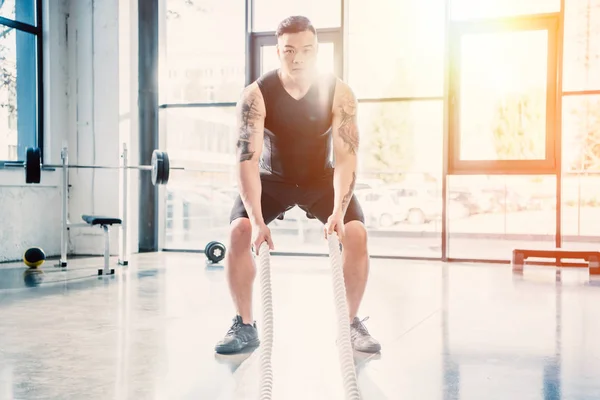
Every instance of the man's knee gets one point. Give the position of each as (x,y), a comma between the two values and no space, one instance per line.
(240,235)
(356,238)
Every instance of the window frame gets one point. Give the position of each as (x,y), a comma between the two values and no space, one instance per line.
(37,31)
(547,165)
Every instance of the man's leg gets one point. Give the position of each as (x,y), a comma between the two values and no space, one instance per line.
(241,270)
(355,256)
(355,259)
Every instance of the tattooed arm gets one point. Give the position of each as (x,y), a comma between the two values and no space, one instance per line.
(251,114)
(345,146)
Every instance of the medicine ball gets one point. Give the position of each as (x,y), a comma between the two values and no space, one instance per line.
(34,257)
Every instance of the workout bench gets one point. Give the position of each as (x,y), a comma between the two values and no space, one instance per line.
(591,257)
(104,223)
(94,220)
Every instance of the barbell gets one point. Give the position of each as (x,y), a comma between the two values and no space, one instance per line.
(160,166)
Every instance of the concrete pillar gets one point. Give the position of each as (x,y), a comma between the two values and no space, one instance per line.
(100,114)
(148,11)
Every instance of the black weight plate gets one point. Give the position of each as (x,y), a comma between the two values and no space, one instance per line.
(160,167)
(33,165)
(166,168)
(206,248)
(156,162)
(216,252)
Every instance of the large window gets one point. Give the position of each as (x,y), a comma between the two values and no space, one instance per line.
(396,48)
(20,76)
(581,125)
(506,212)
(199,201)
(503,80)
(201,82)
(514,138)
(582,46)
(581,171)
(205,59)
(503,120)
(19,10)
(502,113)
(203,74)
(395,65)
(399,184)
(399,84)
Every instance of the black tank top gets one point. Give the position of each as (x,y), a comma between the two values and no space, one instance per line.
(297,139)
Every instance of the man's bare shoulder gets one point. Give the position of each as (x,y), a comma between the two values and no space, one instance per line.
(251,92)
(344,100)
(343,95)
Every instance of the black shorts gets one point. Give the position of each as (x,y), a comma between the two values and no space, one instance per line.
(315,199)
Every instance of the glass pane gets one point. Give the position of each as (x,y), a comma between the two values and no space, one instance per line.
(18,110)
(204,70)
(399,182)
(503,78)
(473,9)
(581,172)
(322,13)
(198,204)
(582,45)
(269,60)
(18,10)
(506,212)
(399,178)
(396,48)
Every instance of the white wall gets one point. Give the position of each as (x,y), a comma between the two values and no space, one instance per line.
(128,112)
(90,77)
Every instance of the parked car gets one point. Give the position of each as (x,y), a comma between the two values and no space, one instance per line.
(386,207)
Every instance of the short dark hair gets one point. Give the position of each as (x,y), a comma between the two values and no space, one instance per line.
(295,24)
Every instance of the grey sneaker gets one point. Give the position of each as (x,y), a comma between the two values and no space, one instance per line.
(361,339)
(238,337)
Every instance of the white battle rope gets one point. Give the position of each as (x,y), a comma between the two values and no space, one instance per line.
(266,370)
(345,352)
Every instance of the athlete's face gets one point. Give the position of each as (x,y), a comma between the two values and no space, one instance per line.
(298,53)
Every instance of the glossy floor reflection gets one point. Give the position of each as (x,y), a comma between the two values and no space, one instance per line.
(448,332)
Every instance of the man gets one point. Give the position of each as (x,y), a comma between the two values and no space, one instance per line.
(289,121)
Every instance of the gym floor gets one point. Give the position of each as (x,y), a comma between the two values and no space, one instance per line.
(447,332)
